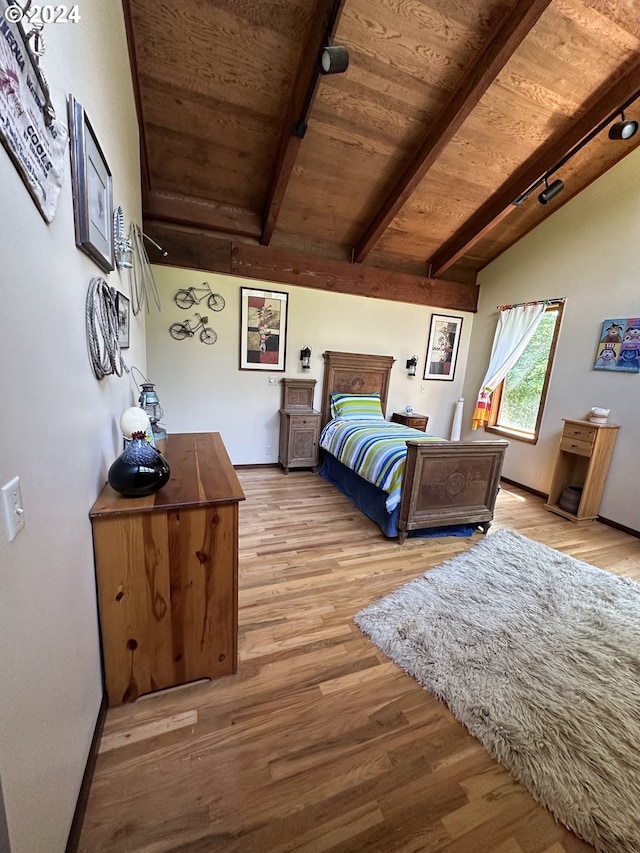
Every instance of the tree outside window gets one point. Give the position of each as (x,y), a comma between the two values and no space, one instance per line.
(518,402)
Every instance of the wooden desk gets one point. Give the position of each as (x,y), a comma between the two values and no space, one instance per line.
(167,573)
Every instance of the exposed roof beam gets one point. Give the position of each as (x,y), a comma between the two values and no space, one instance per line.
(532,173)
(201,213)
(321,31)
(192,249)
(488,64)
(135,76)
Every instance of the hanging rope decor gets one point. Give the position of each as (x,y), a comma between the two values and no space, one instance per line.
(102,329)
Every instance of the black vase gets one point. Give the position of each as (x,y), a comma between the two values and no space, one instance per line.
(139,470)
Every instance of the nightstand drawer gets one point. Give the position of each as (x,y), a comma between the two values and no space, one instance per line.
(573,445)
(413,420)
(576,432)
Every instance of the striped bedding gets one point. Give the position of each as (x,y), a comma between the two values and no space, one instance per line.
(376,451)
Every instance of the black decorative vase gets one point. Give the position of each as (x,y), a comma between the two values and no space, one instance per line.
(139,470)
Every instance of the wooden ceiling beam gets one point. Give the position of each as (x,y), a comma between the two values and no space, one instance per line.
(488,64)
(618,95)
(192,249)
(135,77)
(321,32)
(200,213)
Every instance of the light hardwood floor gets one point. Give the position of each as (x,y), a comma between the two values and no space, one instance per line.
(319,743)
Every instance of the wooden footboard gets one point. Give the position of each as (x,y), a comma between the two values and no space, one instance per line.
(450,482)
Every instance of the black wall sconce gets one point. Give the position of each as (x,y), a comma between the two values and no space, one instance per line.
(334,59)
(412,363)
(305,358)
(550,190)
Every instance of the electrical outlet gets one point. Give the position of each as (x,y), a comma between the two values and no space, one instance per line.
(268,450)
(13,510)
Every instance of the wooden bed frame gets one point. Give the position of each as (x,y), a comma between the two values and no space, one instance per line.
(445,482)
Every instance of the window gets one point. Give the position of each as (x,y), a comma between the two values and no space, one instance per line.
(518,402)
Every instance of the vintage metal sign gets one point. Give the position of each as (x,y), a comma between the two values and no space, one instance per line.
(34,139)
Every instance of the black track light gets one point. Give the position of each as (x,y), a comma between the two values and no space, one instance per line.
(334,59)
(623,129)
(550,191)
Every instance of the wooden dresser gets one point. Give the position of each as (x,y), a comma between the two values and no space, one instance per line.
(167,573)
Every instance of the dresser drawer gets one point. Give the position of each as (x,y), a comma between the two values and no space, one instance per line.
(579,433)
(574,445)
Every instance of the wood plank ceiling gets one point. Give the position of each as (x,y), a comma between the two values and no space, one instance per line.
(396,179)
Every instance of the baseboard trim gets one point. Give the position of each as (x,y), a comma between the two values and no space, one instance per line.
(73,840)
(258,465)
(525,488)
(620,527)
(628,530)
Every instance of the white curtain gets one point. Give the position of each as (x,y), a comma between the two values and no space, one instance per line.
(515,329)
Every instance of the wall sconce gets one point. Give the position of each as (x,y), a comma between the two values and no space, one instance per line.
(334,60)
(412,363)
(550,191)
(305,358)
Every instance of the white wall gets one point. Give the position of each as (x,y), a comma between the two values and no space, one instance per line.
(59,435)
(201,387)
(589,252)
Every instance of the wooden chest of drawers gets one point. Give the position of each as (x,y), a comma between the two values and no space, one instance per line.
(167,573)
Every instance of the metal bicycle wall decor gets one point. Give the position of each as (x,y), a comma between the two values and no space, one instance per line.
(180,331)
(186,297)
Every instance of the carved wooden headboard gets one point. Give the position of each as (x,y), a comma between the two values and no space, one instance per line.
(355,373)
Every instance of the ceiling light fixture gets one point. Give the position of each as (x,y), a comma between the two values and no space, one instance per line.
(334,59)
(550,190)
(623,129)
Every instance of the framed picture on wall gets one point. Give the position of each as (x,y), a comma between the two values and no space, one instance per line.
(122,308)
(442,348)
(92,190)
(263,329)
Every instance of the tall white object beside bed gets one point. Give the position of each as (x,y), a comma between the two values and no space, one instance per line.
(445,482)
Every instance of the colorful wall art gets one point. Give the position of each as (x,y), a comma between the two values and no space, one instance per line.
(619,345)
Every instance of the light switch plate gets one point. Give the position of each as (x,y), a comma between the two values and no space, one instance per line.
(13,509)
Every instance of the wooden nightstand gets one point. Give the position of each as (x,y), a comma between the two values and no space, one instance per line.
(582,463)
(413,420)
(299,425)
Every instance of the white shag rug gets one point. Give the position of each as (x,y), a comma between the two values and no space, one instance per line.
(538,655)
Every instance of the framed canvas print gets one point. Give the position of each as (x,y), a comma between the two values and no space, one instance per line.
(122,308)
(263,329)
(442,348)
(92,190)
(619,345)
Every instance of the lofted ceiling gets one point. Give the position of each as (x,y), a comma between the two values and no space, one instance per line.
(397,178)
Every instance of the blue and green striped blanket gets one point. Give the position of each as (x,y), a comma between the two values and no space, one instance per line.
(376,451)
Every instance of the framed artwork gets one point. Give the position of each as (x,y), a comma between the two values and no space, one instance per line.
(92,190)
(122,309)
(442,348)
(619,345)
(263,329)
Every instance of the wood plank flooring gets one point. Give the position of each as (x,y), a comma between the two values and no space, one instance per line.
(319,743)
